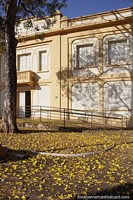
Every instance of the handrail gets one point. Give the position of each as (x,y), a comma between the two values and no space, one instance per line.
(65,114)
(67,109)
(75,111)
(82,113)
(87,114)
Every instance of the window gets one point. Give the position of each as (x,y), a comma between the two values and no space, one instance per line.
(43,61)
(43,95)
(117,52)
(117,95)
(24,62)
(85,55)
(85,96)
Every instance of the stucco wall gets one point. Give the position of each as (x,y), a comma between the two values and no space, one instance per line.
(104,86)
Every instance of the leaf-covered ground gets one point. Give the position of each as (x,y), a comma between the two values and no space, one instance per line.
(51,177)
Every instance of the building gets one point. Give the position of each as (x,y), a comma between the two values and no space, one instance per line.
(82,63)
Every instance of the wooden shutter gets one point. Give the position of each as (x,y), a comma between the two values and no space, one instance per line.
(43,61)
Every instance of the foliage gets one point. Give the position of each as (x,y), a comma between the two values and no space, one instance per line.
(38,8)
(10,13)
(1,35)
(25,9)
(50,177)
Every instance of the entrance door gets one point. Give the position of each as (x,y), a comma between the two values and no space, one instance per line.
(27,104)
(24,104)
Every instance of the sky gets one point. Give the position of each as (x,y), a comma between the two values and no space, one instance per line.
(77,8)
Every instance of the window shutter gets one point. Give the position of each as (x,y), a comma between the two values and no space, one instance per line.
(24,62)
(118,52)
(85,55)
(44,96)
(43,61)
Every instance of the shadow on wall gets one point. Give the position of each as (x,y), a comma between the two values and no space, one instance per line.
(108,88)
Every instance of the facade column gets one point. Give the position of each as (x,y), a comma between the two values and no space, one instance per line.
(100,69)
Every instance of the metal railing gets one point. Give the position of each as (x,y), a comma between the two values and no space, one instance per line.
(72,117)
(82,117)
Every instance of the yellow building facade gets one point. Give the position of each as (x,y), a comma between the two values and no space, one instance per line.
(82,63)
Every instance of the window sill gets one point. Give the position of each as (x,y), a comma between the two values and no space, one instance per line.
(43,71)
(118,109)
(80,68)
(118,65)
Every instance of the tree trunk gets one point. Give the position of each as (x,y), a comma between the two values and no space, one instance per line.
(9,124)
(3,152)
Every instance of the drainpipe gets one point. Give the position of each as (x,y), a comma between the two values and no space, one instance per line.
(60,76)
(68,74)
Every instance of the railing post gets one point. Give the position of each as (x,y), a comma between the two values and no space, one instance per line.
(64,117)
(104,121)
(122,125)
(68,115)
(40,115)
(91,120)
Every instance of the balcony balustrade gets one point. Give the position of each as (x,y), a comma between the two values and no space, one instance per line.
(25,78)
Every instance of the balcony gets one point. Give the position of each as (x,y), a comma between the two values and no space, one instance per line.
(25,78)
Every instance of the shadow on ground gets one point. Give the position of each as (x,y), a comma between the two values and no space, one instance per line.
(63,129)
(16,155)
(117,192)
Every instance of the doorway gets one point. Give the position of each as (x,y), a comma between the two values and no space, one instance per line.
(25,104)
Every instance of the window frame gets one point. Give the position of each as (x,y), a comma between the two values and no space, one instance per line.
(47,61)
(18,61)
(84,41)
(78,56)
(90,107)
(109,59)
(119,98)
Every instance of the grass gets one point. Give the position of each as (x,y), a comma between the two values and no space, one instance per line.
(54,178)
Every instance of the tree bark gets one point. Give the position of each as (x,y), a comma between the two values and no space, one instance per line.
(9,124)
(3,152)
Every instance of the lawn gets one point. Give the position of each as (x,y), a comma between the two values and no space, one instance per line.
(69,173)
